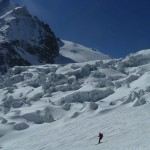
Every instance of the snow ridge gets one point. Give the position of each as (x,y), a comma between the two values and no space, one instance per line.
(72,52)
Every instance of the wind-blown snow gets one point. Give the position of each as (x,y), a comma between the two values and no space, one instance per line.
(64,107)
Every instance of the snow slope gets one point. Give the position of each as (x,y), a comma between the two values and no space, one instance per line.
(64,107)
(71,52)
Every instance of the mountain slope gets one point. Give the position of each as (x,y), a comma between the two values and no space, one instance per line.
(71,52)
(64,107)
(24,40)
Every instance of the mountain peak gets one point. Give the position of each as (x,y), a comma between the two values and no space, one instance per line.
(24,40)
(22,11)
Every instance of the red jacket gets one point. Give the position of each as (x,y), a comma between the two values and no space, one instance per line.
(100,135)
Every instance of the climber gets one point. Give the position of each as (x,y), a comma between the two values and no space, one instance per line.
(100,137)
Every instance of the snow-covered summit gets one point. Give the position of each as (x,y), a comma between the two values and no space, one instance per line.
(24,40)
(18,24)
(73,52)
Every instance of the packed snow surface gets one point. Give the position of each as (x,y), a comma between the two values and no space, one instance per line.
(64,107)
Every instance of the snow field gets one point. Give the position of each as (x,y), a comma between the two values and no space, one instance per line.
(64,107)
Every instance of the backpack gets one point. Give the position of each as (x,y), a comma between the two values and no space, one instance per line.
(101,135)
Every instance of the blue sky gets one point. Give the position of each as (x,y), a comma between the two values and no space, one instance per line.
(115,27)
